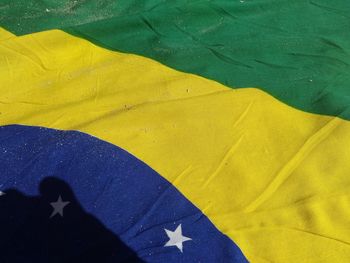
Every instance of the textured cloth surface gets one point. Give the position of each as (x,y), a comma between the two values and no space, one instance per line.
(175,131)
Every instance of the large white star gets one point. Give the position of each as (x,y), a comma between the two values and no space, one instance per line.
(176,238)
(58,207)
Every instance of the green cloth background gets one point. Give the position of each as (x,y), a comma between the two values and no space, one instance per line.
(297,51)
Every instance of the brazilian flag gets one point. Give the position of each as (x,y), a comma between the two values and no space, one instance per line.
(175,131)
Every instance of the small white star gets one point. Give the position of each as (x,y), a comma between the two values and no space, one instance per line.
(176,238)
(58,207)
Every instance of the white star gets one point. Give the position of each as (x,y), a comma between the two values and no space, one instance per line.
(176,238)
(58,207)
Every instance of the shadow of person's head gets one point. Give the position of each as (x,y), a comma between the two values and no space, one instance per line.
(53,227)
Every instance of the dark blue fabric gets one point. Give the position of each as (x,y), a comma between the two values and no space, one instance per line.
(118,210)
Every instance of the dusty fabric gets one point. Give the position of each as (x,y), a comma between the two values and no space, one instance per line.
(176,128)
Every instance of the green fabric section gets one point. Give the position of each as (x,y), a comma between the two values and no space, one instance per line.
(28,16)
(298,51)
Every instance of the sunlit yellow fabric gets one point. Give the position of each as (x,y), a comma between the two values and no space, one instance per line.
(5,34)
(274,179)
